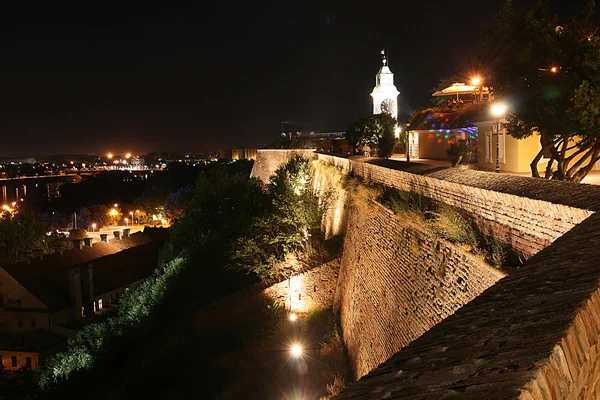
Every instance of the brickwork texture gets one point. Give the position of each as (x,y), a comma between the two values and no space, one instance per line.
(396,282)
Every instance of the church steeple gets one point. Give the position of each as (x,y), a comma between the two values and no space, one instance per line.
(385,94)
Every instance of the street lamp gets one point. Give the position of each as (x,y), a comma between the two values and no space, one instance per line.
(132,219)
(498,110)
(94,227)
(126,221)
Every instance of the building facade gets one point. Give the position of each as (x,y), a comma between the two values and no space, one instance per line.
(385,94)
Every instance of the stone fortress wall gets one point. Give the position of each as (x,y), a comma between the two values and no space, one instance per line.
(396,282)
(532,335)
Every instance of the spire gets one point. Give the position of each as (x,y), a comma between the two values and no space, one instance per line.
(383,58)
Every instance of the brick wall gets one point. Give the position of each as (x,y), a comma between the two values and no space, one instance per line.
(396,282)
(528,223)
(310,290)
(267,161)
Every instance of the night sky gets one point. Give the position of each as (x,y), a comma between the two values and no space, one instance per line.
(122,78)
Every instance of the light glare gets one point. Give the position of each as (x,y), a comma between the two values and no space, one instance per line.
(499,109)
(293,317)
(296,350)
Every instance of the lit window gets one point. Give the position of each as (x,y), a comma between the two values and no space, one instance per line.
(83,311)
(99,304)
(13,360)
(94,306)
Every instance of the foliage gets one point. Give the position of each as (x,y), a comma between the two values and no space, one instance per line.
(375,130)
(150,203)
(550,75)
(222,207)
(282,241)
(451,225)
(95,339)
(19,235)
(176,203)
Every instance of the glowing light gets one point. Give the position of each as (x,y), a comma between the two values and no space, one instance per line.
(554,70)
(115,205)
(109,155)
(113,212)
(293,317)
(296,350)
(6,207)
(397,132)
(94,226)
(295,282)
(14,203)
(499,109)
(476,81)
(128,155)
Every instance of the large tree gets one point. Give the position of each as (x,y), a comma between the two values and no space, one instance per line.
(549,75)
(375,130)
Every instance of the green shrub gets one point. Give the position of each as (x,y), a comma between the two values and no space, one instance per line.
(451,225)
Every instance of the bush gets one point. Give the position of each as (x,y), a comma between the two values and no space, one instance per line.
(451,225)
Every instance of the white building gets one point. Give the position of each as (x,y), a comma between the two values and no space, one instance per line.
(385,94)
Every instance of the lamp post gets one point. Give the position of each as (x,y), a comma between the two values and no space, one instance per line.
(498,110)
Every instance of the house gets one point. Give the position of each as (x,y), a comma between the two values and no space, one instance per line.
(50,292)
(27,349)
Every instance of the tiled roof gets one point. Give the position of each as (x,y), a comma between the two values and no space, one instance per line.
(34,340)
(48,279)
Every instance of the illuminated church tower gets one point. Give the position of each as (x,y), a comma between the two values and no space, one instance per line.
(385,94)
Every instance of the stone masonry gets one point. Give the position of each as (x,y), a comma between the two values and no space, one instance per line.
(534,334)
(396,282)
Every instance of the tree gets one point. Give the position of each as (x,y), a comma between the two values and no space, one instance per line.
(550,75)
(375,130)
(177,202)
(282,241)
(19,235)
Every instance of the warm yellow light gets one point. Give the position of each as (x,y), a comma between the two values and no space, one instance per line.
(499,109)
(113,212)
(476,81)
(130,212)
(554,70)
(109,155)
(14,203)
(163,221)
(83,165)
(293,317)
(126,219)
(116,205)
(6,207)
(397,132)
(296,350)
(128,155)
(94,226)
(137,211)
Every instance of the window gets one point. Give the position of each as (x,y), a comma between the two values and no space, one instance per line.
(99,304)
(13,360)
(28,362)
(33,323)
(19,322)
(94,306)
(83,311)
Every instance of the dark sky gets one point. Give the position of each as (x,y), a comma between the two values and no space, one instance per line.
(140,79)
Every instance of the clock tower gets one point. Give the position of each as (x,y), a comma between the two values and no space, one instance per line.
(385,94)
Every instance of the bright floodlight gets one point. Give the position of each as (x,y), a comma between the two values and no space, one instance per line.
(499,109)
(554,70)
(109,155)
(296,350)
(293,317)
(475,81)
